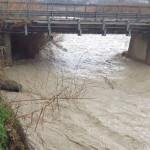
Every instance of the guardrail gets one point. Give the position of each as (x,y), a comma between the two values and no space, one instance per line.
(74,11)
(24,17)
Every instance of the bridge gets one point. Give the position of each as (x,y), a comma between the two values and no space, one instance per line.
(24,17)
(36,17)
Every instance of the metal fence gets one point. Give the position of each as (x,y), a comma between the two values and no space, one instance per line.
(25,17)
(73,11)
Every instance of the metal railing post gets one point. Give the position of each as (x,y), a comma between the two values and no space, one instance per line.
(47,7)
(7,4)
(139,11)
(85,12)
(96,13)
(74,11)
(8,8)
(103,11)
(118,12)
(28,9)
(52,10)
(66,11)
(47,10)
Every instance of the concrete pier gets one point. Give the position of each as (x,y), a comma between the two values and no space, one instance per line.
(5,51)
(139,48)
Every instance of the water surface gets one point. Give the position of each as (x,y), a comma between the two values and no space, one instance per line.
(117,117)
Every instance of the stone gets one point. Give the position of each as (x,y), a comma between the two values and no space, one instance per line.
(12,86)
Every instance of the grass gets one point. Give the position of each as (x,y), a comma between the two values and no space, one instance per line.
(12,136)
(11,133)
(3,134)
(5,118)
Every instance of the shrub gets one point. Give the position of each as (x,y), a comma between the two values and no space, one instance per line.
(4,118)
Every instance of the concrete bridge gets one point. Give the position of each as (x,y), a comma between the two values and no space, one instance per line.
(26,18)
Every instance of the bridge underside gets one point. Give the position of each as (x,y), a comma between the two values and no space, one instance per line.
(79,19)
(139,48)
(78,27)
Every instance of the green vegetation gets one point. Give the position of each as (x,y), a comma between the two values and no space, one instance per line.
(11,132)
(3,136)
(4,119)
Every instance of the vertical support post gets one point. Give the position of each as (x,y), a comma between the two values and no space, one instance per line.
(128,29)
(74,11)
(49,27)
(47,9)
(96,13)
(104,29)
(7,4)
(26,29)
(66,11)
(52,10)
(8,8)
(139,11)
(85,12)
(103,11)
(122,9)
(28,9)
(79,28)
(118,12)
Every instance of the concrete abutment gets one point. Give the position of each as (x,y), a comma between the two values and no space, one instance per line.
(139,48)
(5,48)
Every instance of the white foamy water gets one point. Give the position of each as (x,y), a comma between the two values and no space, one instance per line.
(117,117)
(91,54)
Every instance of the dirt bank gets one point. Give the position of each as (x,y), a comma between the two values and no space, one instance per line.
(12,136)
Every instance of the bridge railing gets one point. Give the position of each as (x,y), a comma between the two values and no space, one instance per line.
(25,10)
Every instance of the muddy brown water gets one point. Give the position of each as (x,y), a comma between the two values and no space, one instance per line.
(115,111)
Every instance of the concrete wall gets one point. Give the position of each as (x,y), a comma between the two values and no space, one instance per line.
(5,51)
(139,48)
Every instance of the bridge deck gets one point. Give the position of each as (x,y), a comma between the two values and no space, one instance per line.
(21,17)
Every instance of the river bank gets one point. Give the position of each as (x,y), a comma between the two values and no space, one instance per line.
(111,114)
(12,135)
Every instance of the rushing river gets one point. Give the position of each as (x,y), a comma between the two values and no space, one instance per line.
(115,111)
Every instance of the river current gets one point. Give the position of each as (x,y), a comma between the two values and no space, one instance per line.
(114,111)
